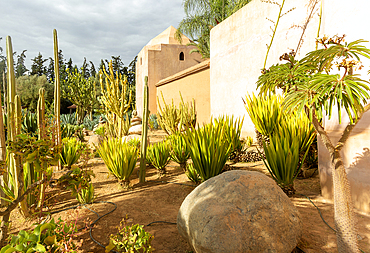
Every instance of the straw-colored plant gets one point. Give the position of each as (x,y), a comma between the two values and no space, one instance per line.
(120,159)
(209,149)
(232,131)
(158,155)
(176,120)
(192,174)
(86,195)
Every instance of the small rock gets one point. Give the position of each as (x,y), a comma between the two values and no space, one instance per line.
(135,129)
(239,211)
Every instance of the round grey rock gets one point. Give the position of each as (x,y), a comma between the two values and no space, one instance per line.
(239,211)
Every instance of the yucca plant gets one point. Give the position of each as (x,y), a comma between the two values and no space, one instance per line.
(68,119)
(158,155)
(71,152)
(86,195)
(208,149)
(192,174)
(29,123)
(232,131)
(180,151)
(265,113)
(120,159)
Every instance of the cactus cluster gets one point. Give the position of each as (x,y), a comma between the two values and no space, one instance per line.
(115,100)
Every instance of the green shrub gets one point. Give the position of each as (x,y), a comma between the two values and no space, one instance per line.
(283,154)
(192,174)
(48,237)
(158,155)
(71,151)
(208,149)
(130,238)
(68,131)
(120,158)
(180,151)
(232,131)
(29,123)
(153,123)
(77,180)
(86,194)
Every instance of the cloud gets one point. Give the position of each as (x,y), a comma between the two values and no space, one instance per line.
(86,28)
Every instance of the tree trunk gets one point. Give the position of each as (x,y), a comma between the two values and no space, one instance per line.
(343,208)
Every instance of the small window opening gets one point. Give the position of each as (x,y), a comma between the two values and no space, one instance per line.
(141,61)
(181,56)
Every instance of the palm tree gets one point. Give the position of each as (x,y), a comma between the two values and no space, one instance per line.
(202,16)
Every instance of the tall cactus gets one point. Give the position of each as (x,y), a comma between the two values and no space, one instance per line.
(3,178)
(144,133)
(42,135)
(14,126)
(114,88)
(57,135)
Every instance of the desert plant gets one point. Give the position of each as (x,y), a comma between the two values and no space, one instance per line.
(29,123)
(71,152)
(115,101)
(158,155)
(316,95)
(232,131)
(282,155)
(192,174)
(86,195)
(76,180)
(144,139)
(130,238)
(120,159)
(68,119)
(153,123)
(180,151)
(49,237)
(176,120)
(208,149)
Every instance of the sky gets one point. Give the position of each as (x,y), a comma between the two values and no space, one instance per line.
(95,29)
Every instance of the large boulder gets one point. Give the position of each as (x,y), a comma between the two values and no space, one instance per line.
(135,129)
(239,211)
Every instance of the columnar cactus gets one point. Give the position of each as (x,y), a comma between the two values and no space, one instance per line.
(58,138)
(42,133)
(144,133)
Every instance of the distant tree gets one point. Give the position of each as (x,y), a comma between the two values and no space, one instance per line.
(201,16)
(82,92)
(102,65)
(2,66)
(70,65)
(20,68)
(92,69)
(50,70)
(85,69)
(37,66)
(28,90)
(131,79)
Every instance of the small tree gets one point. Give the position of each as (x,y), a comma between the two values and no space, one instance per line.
(310,86)
(81,92)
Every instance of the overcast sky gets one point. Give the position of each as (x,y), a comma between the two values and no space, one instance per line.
(95,29)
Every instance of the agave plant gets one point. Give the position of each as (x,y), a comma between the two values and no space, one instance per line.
(86,195)
(158,155)
(232,131)
(192,174)
(283,154)
(120,158)
(71,151)
(208,149)
(180,151)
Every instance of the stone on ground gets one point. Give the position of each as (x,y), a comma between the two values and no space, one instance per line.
(239,211)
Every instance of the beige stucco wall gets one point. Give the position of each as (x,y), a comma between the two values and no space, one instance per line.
(158,61)
(238,50)
(237,59)
(193,83)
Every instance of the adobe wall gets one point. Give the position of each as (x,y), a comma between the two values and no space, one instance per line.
(159,62)
(238,49)
(193,83)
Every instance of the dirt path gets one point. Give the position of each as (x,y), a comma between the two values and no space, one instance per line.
(157,200)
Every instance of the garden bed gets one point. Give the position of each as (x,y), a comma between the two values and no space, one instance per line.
(160,199)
